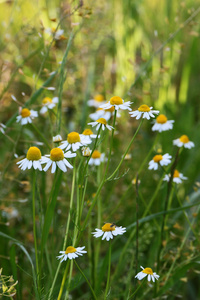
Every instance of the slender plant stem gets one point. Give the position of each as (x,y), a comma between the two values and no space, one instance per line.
(127,149)
(63,281)
(34,224)
(108,276)
(130,297)
(69,280)
(91,289)
(41,135)
(137,225)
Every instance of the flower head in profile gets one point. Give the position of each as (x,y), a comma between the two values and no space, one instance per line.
(101,122)
(71,253)
(177,177)
(75,141)
(97,101)
(117,103)
(86,151)
(57,34)
(32,160)
(26,116)
(183,141)
(48,103)
(145,112)
(104,113)
(96,158)
(57,158)
(162,124)
(87,133)
(108,231)
(163,160)
(147,272)
(57,138)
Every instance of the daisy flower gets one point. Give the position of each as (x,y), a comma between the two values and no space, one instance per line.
(26,116)
(89,134)
(101,122)
(75,141)
(162,124)
(48,103)
(163,160)
(177,177)
(97,101)
(57,138)
(57,158)
(104,113)
(58,35)
(117,103)
(147,272)
(71,253)
(109,230)
(33,159)
(86,151)
(96,158)
(183,141)
(145,112)
(2,127)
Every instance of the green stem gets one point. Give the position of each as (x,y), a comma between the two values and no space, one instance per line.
(54,282)
(63,281)
(91,289)
(41,135)
(34,223)
(136,290)
(129,145)
(108,276)
(69,281)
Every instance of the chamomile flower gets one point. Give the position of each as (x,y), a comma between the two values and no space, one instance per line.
(26,116)
(57,158)
(32,160)
(71,253)
(147,272)
(101,122)
(109,230)
(57,138)
(58,35)
(163,160)
(183,141)
(89,134)
(86,151)
(48,103)
(162,124)
(75,141)
(117,103)
(177,177)
(97,101)
(96,158)
(104,113)
(145,112)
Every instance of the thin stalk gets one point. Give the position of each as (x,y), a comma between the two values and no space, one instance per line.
(108,276)
(63,281)
(69,281)
(91,289)
(41,135)
(137,224)
(136,290)
(34,224)
(127,149)
(54,282)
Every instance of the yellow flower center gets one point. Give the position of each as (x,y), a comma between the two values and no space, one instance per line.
(157,158)
(161,119)
(144,108)
(46,100)
(56,154)
(116,100)
(102,121)
(176,173)
(70,249)
(148,271)
(73,137)
(111,109)
(99,98)
(87,132)
(108,227)
(25,113)
(33,153)
(96,154)
(184,139)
